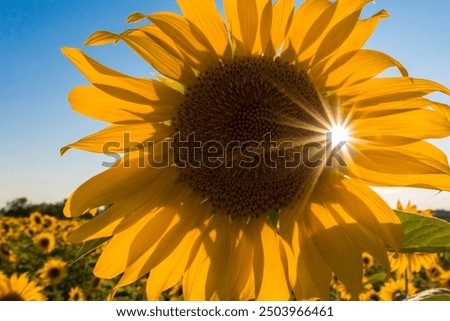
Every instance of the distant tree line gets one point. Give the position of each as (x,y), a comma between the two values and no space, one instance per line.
(22,207)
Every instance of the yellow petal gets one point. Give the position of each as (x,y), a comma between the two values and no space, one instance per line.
(263,35)
(309,21)
(143,91)
(418,124)
(165,42)
(113,260)
(369,210)
(204,14)
(121,215)
(271,279)
(180,225)
(101,37)
(238,271)
(311,276)
(354,67)
(282,15)
(360,34)
(419,180)
(336,31)
(117,139)
(195,278)
(336,248)
(93,102)
(170,271)
(188,37)
(136,17)
(332,40)
(166,63)
(388,108)
(115,184)
(379,87)
(242,18)
(366,240)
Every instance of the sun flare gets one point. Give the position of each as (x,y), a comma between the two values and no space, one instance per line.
(339,134)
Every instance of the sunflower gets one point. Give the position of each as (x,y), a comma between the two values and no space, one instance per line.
(345,295)
(53,272)
(245,164)
(76,294)
(7,253)
(395,290)
(95,283)
(19,288)
(45,242)
(444,280)
(36,219)
(413,209)
(49,222)
(434,272)
(367,261)
(412,262)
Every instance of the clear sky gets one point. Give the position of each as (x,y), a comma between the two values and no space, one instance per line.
(35,79)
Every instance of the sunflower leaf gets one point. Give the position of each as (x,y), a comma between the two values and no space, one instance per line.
(432,295)
(376,278)
(88,247)
(424,234)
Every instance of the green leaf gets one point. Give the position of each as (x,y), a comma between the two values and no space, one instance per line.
(432,295)
(88,247)
(376,278)
(424,234)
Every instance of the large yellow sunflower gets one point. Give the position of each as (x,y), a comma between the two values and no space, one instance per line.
(229,179)
(19,288)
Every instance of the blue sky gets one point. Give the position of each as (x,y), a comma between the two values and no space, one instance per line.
(36,119)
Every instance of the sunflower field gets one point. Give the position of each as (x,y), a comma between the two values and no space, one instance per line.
(37,263)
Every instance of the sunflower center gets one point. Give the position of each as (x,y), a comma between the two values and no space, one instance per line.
(4,249)
(12,296)
(240,131)
(45,242)
(54,273)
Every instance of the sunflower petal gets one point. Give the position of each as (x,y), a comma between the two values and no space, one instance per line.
(164,62)
(242,18)
(356,66)
(417,124)
(93,102)
(144,91)
(125,179)
(363,237)
(101,38)
(310,20)
(271,280)
(344,257)
(117,139)
(187,36)
(204,14)
(311,276)
(379,87)
(282,15)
